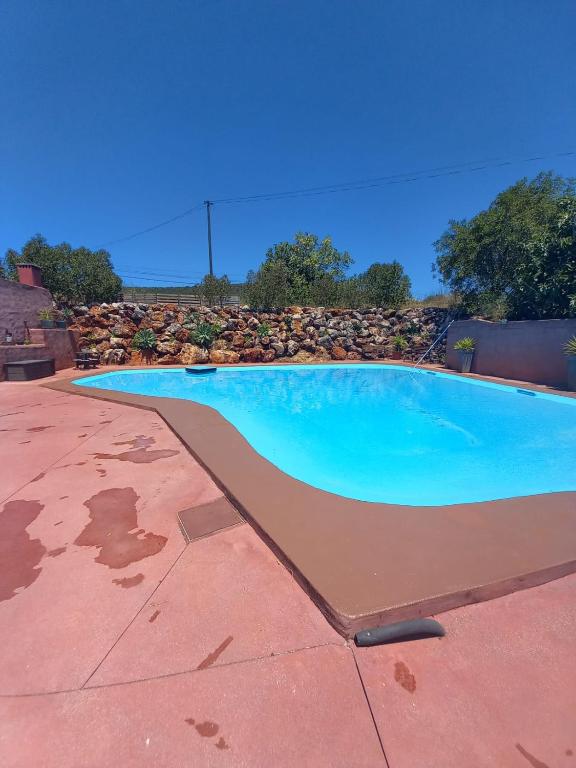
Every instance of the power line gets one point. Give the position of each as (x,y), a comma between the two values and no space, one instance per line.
(400,178)
(471,166)
(153,279)
(153,227)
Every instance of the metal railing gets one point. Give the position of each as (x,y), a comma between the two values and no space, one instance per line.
(431,347)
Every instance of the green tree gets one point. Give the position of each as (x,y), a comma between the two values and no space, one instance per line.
(215,290)
(307,271)
(269,287)
(518,257)
(384,285)
(74,275)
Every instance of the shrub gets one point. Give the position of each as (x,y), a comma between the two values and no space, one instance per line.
(205,334)
(465,345)
(144,340)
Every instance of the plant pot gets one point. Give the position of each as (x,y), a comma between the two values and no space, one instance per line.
(61,323)
(396,354)
(465,360)
(46,323)
(571,367)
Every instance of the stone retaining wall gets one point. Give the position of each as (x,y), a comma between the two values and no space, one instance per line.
(295,334)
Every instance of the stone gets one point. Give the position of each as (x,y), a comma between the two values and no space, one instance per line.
(291,348)
(338,353)
(99,334)
(253,355)
(224,356)
(278,348)
(168,348)
(113,357)
(118,343)
(190,354)
(303,357)
(321,353)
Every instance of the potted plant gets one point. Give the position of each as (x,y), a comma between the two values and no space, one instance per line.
(399,344)
(145,342)
(65,318)
(46,317)
(465,349)
(570,352)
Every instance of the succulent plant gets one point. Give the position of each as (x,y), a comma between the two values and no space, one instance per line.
(466,344)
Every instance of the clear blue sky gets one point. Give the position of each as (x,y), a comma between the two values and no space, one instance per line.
(118,114)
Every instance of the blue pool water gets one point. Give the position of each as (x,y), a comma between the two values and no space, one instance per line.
(383,433)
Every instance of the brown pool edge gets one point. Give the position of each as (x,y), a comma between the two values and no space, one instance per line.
(366,564)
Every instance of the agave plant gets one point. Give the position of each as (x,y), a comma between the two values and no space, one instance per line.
(144,340)
(205,334)
(570,347)
(466,344)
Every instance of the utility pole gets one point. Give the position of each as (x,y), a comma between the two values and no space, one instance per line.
(207,203)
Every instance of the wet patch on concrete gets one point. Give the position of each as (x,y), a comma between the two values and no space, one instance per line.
(101,472)
(404,677)
(59,522)
(139,456)
(19,554)
(221,744)
(56,552)
(140,441)
(113,518)
(129,581)
(25,442)
(208,730)
(154,616)
(215,655)
(14,413)
(534,762)
(39,429)
(38,477)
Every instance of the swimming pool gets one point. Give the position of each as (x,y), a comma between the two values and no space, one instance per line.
(384,433)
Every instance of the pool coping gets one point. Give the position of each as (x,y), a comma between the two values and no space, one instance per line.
(364,563)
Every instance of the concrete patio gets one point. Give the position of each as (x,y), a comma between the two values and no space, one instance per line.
(124,646)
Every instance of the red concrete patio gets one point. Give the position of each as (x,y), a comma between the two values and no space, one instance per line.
(122,645)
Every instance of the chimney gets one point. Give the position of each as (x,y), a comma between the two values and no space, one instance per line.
(29,274)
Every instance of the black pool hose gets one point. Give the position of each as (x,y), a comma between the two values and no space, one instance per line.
(416,629)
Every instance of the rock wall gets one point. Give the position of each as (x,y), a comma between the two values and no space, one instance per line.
(294,334)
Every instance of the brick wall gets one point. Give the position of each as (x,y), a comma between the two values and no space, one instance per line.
(20,304)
